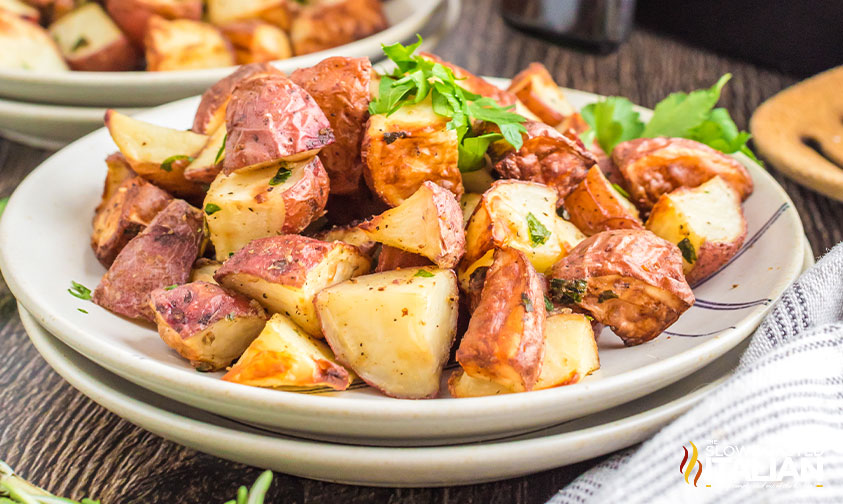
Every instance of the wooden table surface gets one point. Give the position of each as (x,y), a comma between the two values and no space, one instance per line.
(63,441)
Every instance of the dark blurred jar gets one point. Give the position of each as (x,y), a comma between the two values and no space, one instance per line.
(599,25)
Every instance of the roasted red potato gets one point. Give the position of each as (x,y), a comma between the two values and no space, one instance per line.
(428,223)
(250,204)
(340,87)
(504,342)
(325,25)
(391,258)
(90,41)
(210,114)
(596,205)
(630,280)
(655,166)
(706,223)
(270,119)
(284,273)
(257,41)
(206,324)
(26,46)
(131,208)
(546,156)
(118,172)
(473,83)
(160,256)
(133,16)
(287,358)
(539,92)
(468,203)
(276,12)
(206,164)
(21,9)
(184,44)
(401,342)
(204,270)
(351,234)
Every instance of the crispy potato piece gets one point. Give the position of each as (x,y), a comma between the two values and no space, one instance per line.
(539,92)
(521,215)
(270,119)
(21,9)
(322,26)
(401,341)
(184,44)
(210,114)
(118,172)
(277,12)
(257,41)
(628,279)
(134,16)
(27,46)
(407,148)
(90,41)
(706,222)
(284,273)
(570,355)
(351,234)
(161,255)
(128,212)
(547,157)
(595,206)
(252,204)
(204,270)
(391,258)
(469,203)
(473,83)
(206,324)
(340,87)
(428,223)
(655,166)
(287,358)
(206,164)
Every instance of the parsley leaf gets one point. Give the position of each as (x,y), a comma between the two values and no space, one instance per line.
(622,191)
(280,177)
(606,295)
(679,113)
(167,164)
(3,203)
(567,291)
(222,149)
(171,287)
(423,273)
(548,304)
(612,121)
(473,150)
(80,291)
(689,253)
(212,208)
(538,233)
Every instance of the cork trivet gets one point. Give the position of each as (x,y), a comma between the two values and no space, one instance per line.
(800,132)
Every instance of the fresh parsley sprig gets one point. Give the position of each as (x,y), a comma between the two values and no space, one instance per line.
(415,78)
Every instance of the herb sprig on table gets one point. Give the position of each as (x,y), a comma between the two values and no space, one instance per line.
(416,78)
(687,115)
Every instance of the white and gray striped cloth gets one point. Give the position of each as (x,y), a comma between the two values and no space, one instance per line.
(772,433)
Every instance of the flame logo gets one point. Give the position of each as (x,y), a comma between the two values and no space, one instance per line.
(687,470)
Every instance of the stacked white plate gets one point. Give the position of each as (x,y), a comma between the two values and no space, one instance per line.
(51,110)
(360,436)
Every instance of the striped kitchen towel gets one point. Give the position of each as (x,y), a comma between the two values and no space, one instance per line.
(772,433)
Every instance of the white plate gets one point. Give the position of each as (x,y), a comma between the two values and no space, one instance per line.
(556,446)
(44,235)
(112,89)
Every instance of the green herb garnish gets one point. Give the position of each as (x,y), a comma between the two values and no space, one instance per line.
(171,287)
(538,233)
(167,164)
(528,305)
(606,295)
(222,149)
(689,253)
(80,291)
(3,203)
(548,304)
(567,291)
(280,177)
(622,191)
(79,44)
(212,208)
(81,310)
(423,273)
(416,78)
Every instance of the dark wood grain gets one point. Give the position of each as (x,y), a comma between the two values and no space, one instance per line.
(60,439)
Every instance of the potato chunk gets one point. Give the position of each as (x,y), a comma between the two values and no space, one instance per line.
(252,204)
(504,342)
(520,215)
(706,223)
(595,205)
(285,357)
(630,280)
(351,234)
(284,273)
(128,212)
(26,46)
(428,223)
(156,153)
(90,41)
(224,11)
(161,255)
(206,324)
(204,270)
(391,258)
(21,9)
(402,151)
(184,44)
(134,16)
(325,25)
(118,172)
(270,119)
(401,341)
(655,166)
(340,87)
(205,166)
(537,90)
(256,41)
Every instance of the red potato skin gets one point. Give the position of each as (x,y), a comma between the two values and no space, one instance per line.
(340,87)
(713,255)
(547,157)
(119,56)
(392,258)
(655,166)
(269,118)
(305,201)
(593,208)
(473,83)
(118,172)
(503,332)
(320,27)
(626,261)
(211,111)
(161,255)
(132,16)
